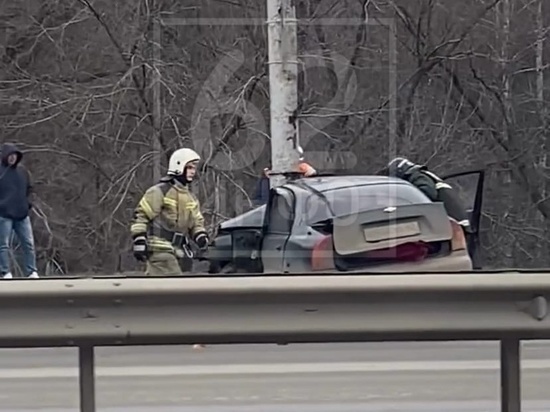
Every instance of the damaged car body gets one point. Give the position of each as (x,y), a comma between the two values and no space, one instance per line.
(347,224)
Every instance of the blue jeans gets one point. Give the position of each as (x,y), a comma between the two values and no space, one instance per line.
(23,230)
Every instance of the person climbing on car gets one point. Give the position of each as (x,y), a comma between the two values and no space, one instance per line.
(432,186)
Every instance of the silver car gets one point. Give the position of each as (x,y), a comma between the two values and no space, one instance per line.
(349,224)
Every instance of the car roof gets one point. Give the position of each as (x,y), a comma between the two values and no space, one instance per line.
(356,185)
(320,184)
(328,183)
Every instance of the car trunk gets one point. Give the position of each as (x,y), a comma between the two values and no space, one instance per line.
(405,233)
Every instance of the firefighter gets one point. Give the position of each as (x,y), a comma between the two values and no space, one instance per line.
(432,186)
(166,217)
(438,191)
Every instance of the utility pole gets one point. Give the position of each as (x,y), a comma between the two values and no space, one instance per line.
(283,86)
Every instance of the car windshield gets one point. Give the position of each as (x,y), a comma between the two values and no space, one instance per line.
(350,200)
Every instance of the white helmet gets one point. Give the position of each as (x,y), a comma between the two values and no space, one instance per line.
(179,160)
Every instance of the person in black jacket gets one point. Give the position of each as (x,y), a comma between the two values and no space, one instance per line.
(15,205)
(431,185)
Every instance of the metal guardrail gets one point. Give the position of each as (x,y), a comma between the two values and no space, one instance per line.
(285,309)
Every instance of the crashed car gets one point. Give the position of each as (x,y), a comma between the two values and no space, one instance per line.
(348,224)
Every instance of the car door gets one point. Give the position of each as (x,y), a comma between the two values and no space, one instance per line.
(243,236)
(277,229)
(469,186)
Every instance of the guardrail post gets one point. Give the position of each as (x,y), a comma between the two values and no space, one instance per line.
(86,369)
(510,375)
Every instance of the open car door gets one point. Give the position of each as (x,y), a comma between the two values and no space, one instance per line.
(246,240)
(469,186)
(262,249)
(278,223)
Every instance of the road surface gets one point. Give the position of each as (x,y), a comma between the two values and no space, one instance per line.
(375,377)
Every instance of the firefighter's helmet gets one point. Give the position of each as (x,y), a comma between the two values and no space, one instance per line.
(179,160)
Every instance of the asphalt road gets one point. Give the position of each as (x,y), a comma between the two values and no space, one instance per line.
(381,377)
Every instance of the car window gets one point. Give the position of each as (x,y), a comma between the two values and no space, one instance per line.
(465,188)
(357,199)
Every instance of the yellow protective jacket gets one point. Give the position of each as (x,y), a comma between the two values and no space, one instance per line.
(169,206)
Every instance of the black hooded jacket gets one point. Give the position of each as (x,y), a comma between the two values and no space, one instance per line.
(15,186)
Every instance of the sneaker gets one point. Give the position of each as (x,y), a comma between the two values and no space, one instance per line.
(34,275)
(8,276)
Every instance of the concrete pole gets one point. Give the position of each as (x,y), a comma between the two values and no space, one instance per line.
(283,86)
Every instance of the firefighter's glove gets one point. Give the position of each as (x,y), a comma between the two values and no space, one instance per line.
(140,248)
(202,240)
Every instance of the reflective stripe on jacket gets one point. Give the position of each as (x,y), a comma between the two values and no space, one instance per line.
(170,206)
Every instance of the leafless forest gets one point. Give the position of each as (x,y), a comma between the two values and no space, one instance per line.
(99,92)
